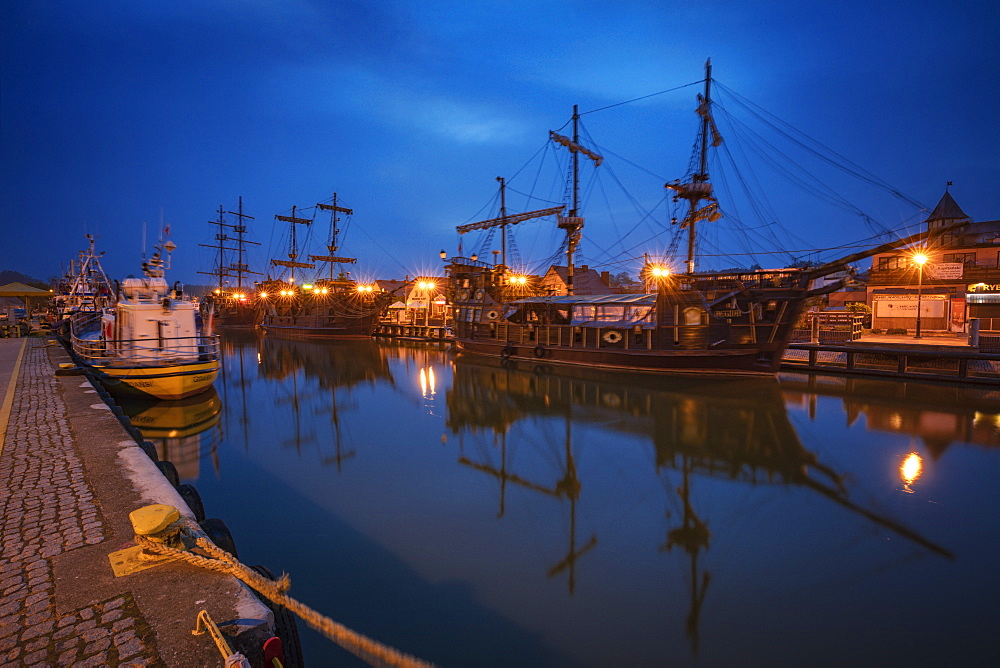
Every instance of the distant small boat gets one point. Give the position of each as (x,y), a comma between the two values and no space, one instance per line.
(325,308)
(150,341)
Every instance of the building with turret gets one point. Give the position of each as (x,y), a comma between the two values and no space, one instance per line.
(950,278)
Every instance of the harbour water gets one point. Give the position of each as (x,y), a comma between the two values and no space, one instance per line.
(473,513)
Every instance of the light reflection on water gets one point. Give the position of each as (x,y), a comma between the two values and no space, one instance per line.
(477,514)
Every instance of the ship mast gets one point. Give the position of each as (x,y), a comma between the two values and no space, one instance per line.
(332,246)
(503,218)
(573,223)
(699,188)
(239,267)
(293,249)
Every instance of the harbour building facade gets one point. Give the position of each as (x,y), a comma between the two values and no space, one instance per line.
(949,280)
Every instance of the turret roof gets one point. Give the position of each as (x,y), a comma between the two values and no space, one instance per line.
(947,209)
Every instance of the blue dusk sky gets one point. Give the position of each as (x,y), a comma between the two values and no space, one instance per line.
(115,116)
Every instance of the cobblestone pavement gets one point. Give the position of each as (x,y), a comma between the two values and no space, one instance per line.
(48,508)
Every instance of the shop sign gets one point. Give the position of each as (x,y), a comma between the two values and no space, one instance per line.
(982,287)
(905,306)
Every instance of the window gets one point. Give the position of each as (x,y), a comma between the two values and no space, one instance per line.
(964,258)
(692,316)
(892,262)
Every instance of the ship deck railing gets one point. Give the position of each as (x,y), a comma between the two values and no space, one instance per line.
(635,336)
(129,353)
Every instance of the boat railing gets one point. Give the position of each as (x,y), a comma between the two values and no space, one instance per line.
(636,336)
(789,278)
(633,336)
(166,351)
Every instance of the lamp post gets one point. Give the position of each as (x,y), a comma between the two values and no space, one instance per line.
(920,259)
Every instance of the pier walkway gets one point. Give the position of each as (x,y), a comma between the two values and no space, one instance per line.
(69,476)
(934,358)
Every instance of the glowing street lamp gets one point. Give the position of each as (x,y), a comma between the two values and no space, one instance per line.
(655,272)
(659,272)
(919,259)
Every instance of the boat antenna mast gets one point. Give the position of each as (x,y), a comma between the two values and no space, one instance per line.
(332,246)
(699,188)
(573,223)
(293,249)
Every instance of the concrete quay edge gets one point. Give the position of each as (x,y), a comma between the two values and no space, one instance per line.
(70,474)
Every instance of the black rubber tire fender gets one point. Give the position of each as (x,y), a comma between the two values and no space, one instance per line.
(169,472)
(219,533)
(193,499)
(285,626)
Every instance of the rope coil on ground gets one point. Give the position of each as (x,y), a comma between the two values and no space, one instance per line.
(221,561)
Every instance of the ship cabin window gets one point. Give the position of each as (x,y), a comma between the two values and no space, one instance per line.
(537,314)
(692,315)
(617,315)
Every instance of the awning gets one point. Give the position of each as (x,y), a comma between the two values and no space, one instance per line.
(983,298)
(22,290)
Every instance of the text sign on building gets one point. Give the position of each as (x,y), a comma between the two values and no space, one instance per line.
(905,306)
(947,271)
(982,288)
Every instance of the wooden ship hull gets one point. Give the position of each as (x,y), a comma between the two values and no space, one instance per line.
(237,315)
(708,323)
(332,310)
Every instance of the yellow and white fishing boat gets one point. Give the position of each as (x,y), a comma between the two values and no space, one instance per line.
(151,341)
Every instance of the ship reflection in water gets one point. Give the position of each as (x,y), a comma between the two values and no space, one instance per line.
(477,513)
(183,430)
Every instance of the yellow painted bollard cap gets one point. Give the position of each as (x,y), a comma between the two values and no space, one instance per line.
(152,519)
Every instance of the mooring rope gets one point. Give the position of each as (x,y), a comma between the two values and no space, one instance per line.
(219,560)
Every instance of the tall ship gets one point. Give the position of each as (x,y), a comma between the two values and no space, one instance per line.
(151,341)
(233,302)
(319,307)
(733,321)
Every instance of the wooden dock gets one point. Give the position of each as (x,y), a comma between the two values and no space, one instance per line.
(414,332)
(904,359)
